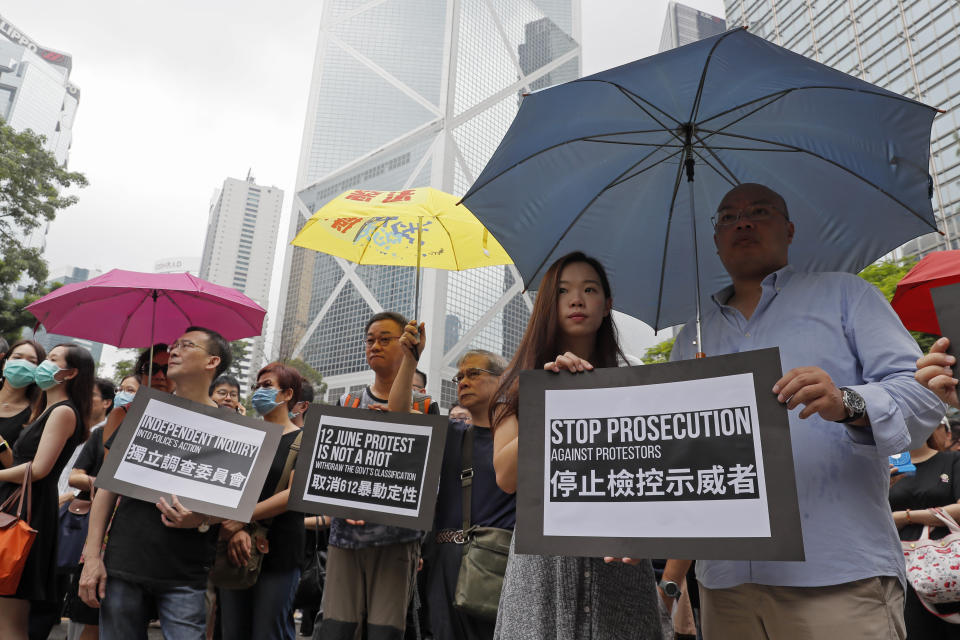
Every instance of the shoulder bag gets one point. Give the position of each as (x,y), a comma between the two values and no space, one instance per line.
(227,575)
(933,566)
(16,535)
(485,551)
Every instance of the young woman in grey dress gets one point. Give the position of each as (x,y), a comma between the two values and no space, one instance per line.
(555,596)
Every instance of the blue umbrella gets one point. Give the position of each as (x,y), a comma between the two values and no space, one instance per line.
(599,165)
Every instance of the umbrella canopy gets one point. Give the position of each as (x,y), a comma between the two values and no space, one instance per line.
(132,309)
(912,300)
(383,227)
(599,165)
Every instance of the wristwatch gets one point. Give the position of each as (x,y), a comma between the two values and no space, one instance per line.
(671,588)
(854,405)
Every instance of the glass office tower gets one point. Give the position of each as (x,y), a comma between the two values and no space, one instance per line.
(411,93)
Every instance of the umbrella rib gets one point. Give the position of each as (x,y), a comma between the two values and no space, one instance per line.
(729,178)
(631,95)
(645,169)
(453,246)
(193,294)
(666,244)
(735,180)
(839,166)
(126,323)
(703,76)
(582,211)
(367,246)
(635,144)
(770,99)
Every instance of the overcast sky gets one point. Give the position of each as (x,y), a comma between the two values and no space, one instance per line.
(176,96)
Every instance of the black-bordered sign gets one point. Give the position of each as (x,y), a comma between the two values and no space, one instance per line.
(369,465)
(214,461)
(680,460)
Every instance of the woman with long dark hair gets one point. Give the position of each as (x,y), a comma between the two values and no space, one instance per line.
(265,610)
(58,425)
(18,392)
(560,597)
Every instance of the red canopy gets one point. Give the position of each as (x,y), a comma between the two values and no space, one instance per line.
(912,300)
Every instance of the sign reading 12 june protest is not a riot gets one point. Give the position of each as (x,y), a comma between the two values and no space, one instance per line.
(214,461)
(681,460)
(369,465)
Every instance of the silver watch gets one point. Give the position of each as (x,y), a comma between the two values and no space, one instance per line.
(854,405)
(669,587)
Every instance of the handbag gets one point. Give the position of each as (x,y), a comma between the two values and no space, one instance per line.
(933,566)
(74,520)
(485,551)
(16,535)
(227,575)
(309,593)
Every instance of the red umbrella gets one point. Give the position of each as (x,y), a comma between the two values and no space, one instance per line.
(912,300)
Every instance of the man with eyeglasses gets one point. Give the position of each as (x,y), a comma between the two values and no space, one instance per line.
(158,555)
(849,385)
(478,373)
(372,564)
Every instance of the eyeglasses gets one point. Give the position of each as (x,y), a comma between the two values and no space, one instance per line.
(753,214)
(472,374)
(383,341)
(185,344)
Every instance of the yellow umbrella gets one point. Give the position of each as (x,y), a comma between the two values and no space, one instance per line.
(388,228)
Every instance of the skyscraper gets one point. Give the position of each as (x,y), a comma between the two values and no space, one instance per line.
(413,93)
(242,231)
(684,25)
(36,94)
(908,46)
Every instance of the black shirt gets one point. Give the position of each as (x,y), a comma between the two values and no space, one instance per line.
(286,535)
(12,426)
(141,549)
(91,458)
(936,484)
(489,505)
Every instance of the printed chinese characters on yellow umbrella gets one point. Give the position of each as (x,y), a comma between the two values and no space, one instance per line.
(420,227)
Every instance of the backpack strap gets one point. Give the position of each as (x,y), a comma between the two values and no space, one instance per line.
(466,475)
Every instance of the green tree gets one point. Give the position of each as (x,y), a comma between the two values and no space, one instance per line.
(238,349)
(122,369)
(312,375)
(885,275)
(659,352)
(31,194)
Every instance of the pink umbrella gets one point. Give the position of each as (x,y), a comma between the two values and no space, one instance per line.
(132,309)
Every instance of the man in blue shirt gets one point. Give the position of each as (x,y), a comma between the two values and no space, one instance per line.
(853,401)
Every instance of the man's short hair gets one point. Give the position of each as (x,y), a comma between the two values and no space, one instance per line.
(224,379)
(107,390)
(216,346)
(422,375)
(4,346)
(495,362)
(307,392)
(386,315)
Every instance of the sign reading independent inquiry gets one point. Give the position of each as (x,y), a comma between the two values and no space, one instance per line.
(214,461)
(682,460)
(369,465)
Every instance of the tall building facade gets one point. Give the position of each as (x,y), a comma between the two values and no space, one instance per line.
(36,94)
(684,25)
(242,231)
(908,46)
(409,93)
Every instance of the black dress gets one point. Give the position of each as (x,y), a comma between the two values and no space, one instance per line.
(12,426)
(39,574)
(935,484)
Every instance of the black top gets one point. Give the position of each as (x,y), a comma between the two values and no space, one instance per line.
(91,458)
(287,535)
(39,573)
(489,505)
(12,426)
(936,484)
(141,549)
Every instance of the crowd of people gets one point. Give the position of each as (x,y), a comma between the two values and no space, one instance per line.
(855,384)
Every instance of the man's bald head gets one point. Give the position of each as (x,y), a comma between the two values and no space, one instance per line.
(759,193)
